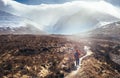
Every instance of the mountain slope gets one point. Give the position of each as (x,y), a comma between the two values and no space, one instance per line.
(80,22)
(9,20)
(109,31)
(12,24)
(28,29)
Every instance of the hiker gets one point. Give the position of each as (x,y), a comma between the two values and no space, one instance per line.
(76,56)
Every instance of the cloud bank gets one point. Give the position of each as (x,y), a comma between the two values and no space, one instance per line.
(66,18)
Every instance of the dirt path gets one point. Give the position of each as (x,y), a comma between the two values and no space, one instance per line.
(73,73)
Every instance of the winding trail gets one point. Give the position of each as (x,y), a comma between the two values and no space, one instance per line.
(88,52)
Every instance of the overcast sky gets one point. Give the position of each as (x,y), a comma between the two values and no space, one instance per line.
(64,16)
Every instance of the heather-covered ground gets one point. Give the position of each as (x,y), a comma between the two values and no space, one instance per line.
(47,56)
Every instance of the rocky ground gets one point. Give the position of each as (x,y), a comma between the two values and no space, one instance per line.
(33,56)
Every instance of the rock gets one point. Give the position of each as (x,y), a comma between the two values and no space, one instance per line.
(25,76)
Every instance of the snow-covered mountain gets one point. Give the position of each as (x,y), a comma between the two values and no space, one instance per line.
(29,29)
(12,24)
(74,24)
(9,20)
(65,18)
(111,31)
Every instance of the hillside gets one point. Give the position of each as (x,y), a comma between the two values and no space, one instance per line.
(28,29)
(111,30)
(10,20)
(12,24)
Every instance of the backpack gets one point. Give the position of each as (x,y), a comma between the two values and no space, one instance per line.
(76,55)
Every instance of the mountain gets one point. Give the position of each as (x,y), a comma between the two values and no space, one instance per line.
(28,29)
(81,22)
(10,20)
(111,31)
(12,24)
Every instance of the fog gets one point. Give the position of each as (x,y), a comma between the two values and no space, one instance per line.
(66,18)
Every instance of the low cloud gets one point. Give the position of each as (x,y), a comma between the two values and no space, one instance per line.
(67,18)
